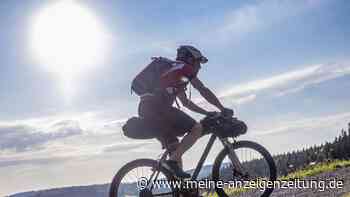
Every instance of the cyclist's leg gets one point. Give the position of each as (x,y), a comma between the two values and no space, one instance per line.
(162,119)
(171,122)
(171,143)
(187,141)
(173,146)
(183,124)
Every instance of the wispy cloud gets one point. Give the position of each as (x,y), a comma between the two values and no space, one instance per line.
(240,21)
(240,100)
(235,25)
(277,81)
(34,161)
(289,82)
(37,140)
(126,146)
(34,134)
(335,121)
(252,17)
(24,138)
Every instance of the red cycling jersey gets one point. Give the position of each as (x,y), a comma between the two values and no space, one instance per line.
(177,77)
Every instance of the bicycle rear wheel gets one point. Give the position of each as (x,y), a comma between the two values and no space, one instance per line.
(136,178)
(258,165)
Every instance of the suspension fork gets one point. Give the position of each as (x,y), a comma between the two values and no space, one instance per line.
(233,156)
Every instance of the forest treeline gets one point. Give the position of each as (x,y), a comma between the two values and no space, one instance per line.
(339,148)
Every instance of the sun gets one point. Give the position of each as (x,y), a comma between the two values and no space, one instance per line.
(67,39)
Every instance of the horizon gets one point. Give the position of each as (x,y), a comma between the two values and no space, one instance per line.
(205,166)
(283,66)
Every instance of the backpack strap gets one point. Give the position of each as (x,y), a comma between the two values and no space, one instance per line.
(177,103)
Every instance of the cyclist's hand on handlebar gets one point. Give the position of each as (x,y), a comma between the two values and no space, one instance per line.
(227,112)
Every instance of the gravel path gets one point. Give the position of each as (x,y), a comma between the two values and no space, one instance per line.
(340,174)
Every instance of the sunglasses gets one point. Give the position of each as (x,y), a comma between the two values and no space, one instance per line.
(202,60)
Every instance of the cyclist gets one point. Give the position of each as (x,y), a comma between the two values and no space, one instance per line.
(156,103)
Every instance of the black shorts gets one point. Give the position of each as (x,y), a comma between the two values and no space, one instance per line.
(168,122)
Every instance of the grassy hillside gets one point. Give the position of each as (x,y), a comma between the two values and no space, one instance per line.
(317,169)
(311,170)
(346,195)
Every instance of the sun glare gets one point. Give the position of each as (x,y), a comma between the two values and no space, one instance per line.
(67,39)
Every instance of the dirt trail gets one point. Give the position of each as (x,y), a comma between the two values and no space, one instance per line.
(340,174)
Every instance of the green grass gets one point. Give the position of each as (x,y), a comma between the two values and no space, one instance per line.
(346,195)
(306,172)
(317,169)
(229,192)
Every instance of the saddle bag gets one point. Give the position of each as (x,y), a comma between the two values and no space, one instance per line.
(137,128)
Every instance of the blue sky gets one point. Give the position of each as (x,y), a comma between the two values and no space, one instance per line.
(283,66)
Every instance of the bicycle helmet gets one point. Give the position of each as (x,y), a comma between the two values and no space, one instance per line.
(187,52)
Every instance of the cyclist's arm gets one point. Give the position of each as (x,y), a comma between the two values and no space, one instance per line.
(207,93)
(189,104)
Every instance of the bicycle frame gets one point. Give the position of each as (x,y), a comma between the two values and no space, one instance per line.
(225,142)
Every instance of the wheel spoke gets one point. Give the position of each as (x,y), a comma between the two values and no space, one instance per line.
(126,181)
(257,163)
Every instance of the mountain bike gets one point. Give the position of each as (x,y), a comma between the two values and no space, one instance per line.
(239,164)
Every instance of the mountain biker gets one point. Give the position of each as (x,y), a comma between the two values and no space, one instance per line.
(156,106)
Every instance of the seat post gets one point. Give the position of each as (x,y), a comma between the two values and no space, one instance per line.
(164,155)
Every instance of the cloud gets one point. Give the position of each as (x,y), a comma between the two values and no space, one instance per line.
(286,83)
(241,21)
(244,99)
(276,81)
(34,161)
(314,123)
(282,84)
(22,138)
(115,123)
(126,146)
(233,26)
(263,14)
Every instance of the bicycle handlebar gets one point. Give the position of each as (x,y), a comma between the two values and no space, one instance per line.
(217,115)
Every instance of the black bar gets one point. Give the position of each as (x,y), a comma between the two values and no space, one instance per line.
(203,157)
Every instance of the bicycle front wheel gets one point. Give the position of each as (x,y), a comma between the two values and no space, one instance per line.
(138,178)
(258,168)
